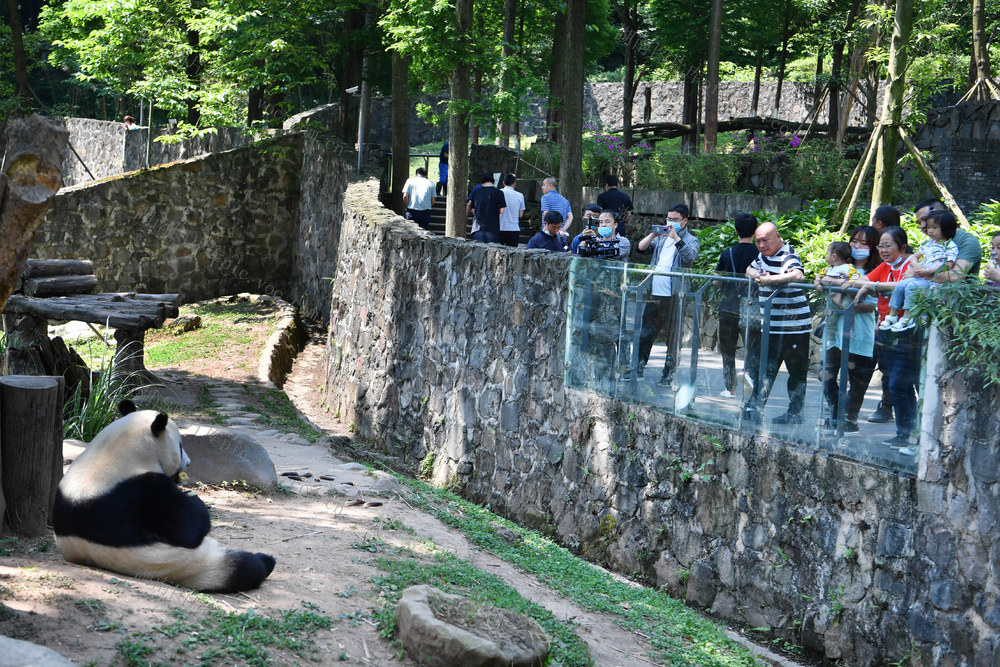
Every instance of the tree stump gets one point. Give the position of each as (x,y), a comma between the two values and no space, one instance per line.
(30,449)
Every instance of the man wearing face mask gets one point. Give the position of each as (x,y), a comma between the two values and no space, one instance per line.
(673,249)
(550,238)
(599,231)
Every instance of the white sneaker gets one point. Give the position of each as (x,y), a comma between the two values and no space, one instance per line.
(747,382)
(888,322)
(725,393)
(908,451)
(903,324)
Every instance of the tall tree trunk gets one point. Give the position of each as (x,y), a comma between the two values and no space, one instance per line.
(571,136)
(892,107)
(349,74)
(507,56)
(477,96)
(22,89)
(836,67)
(630,27)
(458,123)
(400,129)
(689,104)
(784,55)
(818,84)
(980,49)
(193,72)
(255,105)
(554,111)
(712,90)
(755,100)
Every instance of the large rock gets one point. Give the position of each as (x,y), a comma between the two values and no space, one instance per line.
(219,455)
(14,652)
(428,620)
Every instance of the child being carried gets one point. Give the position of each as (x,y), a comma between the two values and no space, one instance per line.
(938,253)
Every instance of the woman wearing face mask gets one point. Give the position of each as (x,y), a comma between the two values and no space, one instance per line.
(861,356)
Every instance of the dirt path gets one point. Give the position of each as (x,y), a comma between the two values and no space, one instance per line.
(325,543)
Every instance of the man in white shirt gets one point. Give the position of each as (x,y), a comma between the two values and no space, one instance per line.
(673,249)
(510,219)
(418,198)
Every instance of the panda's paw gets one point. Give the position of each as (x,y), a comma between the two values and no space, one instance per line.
(267,561)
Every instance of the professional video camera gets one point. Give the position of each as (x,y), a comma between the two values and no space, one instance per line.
(595,246)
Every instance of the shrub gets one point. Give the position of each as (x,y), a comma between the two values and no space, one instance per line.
(85,416)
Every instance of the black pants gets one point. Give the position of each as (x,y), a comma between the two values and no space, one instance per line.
(422,218)
(510,239)
(859,375)
(884,359)
(790,349)
(659,315)
(730,332)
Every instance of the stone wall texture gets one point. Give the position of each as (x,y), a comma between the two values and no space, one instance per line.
(217,224)
(105,148)
(965,140)
(452,349)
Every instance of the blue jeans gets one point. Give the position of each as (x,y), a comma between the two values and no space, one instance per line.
(903,362)
(484,236)
(902,293)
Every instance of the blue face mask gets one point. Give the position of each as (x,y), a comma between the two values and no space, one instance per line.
(860,253)
(605,232)
(676,226)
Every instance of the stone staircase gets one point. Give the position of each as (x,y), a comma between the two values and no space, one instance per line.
(438,216)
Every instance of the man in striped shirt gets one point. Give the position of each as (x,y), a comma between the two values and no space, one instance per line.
(790,322)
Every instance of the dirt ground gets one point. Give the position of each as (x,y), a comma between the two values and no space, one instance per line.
(319,533)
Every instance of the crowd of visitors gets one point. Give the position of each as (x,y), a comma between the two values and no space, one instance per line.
(872,278)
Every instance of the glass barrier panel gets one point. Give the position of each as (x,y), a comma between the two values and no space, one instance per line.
(717,349)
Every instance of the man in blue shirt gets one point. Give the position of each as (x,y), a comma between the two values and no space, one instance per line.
(550,238)
(553,201)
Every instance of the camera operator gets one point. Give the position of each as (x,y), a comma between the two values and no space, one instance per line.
(600,239)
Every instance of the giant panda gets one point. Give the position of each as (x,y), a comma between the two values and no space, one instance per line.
(119,507)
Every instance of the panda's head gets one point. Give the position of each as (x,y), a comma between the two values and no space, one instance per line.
(139,442)
(163,437)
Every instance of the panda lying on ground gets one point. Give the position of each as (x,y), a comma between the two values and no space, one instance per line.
(119,507)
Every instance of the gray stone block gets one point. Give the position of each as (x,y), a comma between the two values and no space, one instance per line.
(17,653)
(922,626)
(442,630)
(894,539)
(220,455)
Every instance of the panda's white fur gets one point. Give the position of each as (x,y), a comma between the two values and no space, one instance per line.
(118,507)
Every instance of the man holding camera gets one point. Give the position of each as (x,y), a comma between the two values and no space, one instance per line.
(599,238)
(674,247)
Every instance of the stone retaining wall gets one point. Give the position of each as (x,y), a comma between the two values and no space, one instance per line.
(217,224)
(456,350)
(105,148)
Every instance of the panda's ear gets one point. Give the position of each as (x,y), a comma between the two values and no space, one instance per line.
(126,407)
(159,425)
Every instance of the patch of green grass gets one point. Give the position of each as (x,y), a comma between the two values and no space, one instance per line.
(217,333)
(278,412)
(453,575)
(228,638)
(678,634)
(132,653)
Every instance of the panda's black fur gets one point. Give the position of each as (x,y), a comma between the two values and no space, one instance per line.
(119,507)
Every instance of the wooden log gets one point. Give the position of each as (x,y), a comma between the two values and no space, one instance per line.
(45,268)
(57,445)
(32,163)
(58,309)
(25,333)
(129,354)
(59,285)
(28,416)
